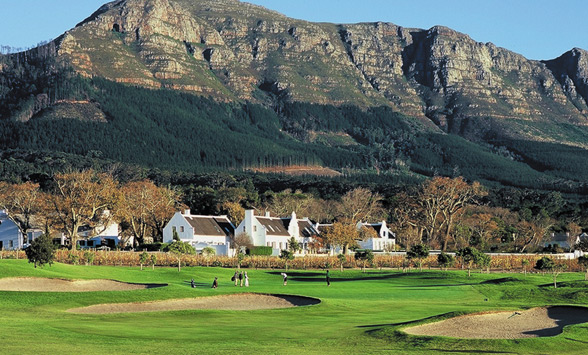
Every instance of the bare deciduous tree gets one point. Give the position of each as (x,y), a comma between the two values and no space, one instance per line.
(82,198)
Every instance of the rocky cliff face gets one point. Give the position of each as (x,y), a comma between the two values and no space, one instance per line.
(233,50)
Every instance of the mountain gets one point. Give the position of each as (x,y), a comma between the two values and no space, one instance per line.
(234,50)
(360,96)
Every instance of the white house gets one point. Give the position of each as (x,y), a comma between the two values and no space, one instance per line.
(384,239)
(10,235)
(201,231)
(11,238)
(91,237)
(275,232)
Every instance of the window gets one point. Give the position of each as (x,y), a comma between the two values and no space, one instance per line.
(174,229)
(11,243)
(181,229)
(254,229)
(90,243)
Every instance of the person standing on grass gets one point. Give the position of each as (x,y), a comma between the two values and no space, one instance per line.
(328,278)
(241,278)
(215,283)
(285,276)
(246,279)
(192,284)
(236,277)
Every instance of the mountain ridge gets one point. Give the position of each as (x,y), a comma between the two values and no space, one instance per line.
(367,96)
(237,51)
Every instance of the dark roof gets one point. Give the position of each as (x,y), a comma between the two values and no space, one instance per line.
(376,227)
(225,225)
(560,237)
(274,226)
(211,225)
(307,229)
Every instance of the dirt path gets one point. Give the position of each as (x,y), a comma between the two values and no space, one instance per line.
(35,284)
(239,302)
(536,322)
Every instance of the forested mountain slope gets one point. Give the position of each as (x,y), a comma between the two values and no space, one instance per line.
(239,86)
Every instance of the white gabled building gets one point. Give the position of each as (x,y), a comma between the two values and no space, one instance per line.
(384,239)
(100,236)
(275,232)
(201,231)
(10,235)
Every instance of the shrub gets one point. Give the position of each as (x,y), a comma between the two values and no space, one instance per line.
(73,259)
(151,247)
(217,263)
(41,251)
(267,251)
(89,256)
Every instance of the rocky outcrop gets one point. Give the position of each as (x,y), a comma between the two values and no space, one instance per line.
(571,70)
(233,50)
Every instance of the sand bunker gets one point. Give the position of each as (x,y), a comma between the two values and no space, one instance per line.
(536,322)
(60,285)
(239,302)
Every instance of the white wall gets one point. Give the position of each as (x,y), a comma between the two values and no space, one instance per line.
(178,221)
(9,234)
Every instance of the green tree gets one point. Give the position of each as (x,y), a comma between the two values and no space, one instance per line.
(549,265)
(293,245)
(143,258)
(483,261)
(207,252)
(468,257)
(524,264)
(89,257)
(583,261)
(364,256)
(41,251)
(179,248)
(418,252)
(153,261)
(239,257)
(286,255)
(445,260)
(342,259)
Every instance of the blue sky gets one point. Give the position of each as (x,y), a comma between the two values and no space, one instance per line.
(538,29)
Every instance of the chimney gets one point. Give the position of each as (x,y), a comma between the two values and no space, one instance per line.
(186,212)
(248,222)
(267,214)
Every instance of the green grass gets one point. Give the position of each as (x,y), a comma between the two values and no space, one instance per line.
(359,313)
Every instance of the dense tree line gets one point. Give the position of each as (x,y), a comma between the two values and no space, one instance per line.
(89,199)
(444,213)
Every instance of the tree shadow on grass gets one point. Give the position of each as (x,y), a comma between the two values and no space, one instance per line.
(199,284)
(439,316)
(320,277)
